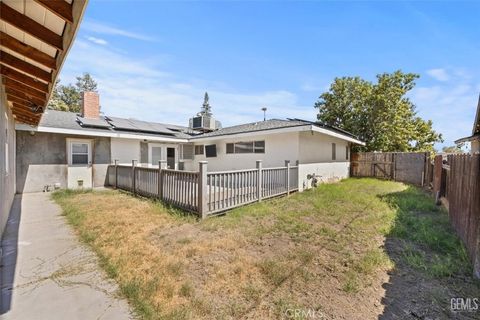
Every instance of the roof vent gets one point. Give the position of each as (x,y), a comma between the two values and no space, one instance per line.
(204,120)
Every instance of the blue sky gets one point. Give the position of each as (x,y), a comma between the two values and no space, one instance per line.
(153,60)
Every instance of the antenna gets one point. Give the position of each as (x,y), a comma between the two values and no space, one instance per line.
(264,109)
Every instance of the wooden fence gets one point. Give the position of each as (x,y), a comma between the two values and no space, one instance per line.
(407,167)
(456,183)
(202,192)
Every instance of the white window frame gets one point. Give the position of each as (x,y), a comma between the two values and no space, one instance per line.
(70,143)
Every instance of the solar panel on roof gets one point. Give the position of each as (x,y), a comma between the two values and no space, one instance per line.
(96,123)
(139,126)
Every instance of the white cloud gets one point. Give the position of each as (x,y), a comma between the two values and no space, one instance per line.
(97,41)
(438,74)
(140,89)
(100,28)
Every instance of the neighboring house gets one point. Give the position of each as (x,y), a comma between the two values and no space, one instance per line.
(474,139)
(70,150)
(35,37)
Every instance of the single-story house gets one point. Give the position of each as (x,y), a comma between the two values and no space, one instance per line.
(474,138)
(74,150)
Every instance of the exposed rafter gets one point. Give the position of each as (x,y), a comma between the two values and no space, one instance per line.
(30,26)
(36,72)
(23,96)
(9,83)
(27,51)
(61,8)
(20,77)
(26,110)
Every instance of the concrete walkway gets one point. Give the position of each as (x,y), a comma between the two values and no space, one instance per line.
(46,273)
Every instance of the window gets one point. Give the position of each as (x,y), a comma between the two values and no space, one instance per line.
(199,150)
(211,151)
(156,155)
(259,147)
(79,153)
(246,147)
(187,151)
(334,151)
(346,152)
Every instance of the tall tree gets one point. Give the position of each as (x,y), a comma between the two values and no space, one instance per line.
(378,113)
(68,97)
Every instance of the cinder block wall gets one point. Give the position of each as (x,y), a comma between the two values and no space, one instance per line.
(42,160)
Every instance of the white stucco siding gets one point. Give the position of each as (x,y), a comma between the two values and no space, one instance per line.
(125,150)
(278,148)
(315,147)
(325,172)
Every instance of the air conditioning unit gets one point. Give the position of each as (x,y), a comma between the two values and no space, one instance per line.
(204,123)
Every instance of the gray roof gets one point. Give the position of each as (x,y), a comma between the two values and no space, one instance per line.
(72,120)
(269,125)
(254,126)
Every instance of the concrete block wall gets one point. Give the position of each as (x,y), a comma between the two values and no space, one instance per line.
(43,160)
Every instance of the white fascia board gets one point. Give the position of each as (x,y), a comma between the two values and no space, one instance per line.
(23,127)
(337,135)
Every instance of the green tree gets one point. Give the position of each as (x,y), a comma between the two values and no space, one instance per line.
(378,113)
(68,97)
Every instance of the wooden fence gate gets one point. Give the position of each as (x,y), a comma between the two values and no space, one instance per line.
(406,167)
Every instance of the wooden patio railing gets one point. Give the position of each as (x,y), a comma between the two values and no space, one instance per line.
(202,192)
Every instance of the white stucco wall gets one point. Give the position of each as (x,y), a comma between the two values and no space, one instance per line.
(325,172)
(278,148)
(7,160)
(316,147)
(125,150)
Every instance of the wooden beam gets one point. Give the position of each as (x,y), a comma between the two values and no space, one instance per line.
(61,8)
(26,117)
(20,77)
(30,26)
(25,97)
(19,101)
(9,83)
(27,51)
(27,110)
(8,59)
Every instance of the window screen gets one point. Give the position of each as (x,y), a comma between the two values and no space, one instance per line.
(187,151)
(244,147)
(199,149)
(259,147)
(211,151)
(334,151)
(156,155)
(230,148)
(79,153)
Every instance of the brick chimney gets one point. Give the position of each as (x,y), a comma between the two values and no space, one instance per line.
(90,105)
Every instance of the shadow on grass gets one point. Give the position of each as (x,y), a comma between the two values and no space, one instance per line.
(431,263)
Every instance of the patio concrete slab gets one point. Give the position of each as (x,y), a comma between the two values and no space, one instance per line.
(46,273)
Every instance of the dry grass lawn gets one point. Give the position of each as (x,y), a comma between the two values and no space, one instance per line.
(359,249)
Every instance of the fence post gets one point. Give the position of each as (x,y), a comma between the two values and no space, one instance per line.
(116,174)
(287,164)
(202,189)
(162,164)
(259,180)
(134,163)
(437,177)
